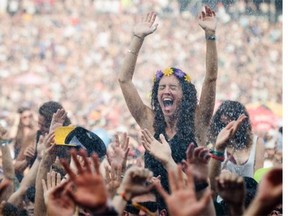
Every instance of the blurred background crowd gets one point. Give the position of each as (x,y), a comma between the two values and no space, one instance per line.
(71,51)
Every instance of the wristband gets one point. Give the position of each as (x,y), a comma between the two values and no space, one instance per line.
(217,158)
(211,37)
(5,142)
(217,153)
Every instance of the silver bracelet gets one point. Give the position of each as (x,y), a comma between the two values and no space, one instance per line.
(132,52)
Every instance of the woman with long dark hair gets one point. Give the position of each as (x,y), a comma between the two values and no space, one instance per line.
(175,111)
(244,152)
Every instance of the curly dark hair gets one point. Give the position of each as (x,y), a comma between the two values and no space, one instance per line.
(232,110)
(185,127)
(49,108)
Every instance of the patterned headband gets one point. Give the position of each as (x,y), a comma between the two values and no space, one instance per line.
(171,71)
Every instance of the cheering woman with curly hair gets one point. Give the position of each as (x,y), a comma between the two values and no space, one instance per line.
(244,152)
(175,111)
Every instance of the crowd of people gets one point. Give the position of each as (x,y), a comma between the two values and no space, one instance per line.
(84,53)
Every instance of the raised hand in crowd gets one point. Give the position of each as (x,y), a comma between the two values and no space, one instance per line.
(135,182)
(197,159)
(218,153)
(207,20)
(227,133)
(141,113)
(269,193)
(183,199)
(159,150)
(47,156)
(86,188)
(146,26)
(230,187)
(53,179)
(58,119)
(56,198)
(113,178)
(46,147)
(29,153)
(117,154)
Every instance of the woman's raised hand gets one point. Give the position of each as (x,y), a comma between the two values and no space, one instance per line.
(146,26)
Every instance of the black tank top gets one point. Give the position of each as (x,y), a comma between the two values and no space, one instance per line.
(178,149)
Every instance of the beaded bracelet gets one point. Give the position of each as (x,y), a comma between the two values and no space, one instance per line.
(217,153)
(217,158)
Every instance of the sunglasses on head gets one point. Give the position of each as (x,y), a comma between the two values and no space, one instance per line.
(148,207)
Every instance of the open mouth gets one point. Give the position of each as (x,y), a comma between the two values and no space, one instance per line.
(167,102)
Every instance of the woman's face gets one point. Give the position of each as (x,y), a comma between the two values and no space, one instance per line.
(225,119)
(169,95)
(26,118)
(43,125)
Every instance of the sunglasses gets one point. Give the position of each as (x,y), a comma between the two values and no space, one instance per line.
(149,207)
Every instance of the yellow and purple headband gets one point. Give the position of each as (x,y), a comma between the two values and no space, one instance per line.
(171,71)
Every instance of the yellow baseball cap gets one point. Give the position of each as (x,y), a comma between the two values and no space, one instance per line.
(79,137)
(61,133)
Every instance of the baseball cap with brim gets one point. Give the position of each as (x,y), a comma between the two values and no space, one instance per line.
(79,137)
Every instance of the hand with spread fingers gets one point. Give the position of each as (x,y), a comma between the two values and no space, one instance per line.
(159,150)
(53,180)
(117,154)
(113,179)
(207,19)
(56,198)
(58,202)
(183,200)
(47,147)
(58,119)
(146,26)
(197,159)
(228,132)
(86,188)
